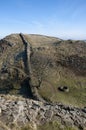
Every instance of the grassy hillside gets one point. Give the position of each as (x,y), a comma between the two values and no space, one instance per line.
(54,63)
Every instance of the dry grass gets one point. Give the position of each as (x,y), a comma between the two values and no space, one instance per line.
(54,125)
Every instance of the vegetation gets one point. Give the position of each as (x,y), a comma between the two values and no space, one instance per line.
(54,63)
(53,125)
(76,85)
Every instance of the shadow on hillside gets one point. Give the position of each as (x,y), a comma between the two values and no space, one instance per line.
(15,88)
(25,90)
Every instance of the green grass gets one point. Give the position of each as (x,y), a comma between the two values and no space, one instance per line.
(76,84)
(54,125)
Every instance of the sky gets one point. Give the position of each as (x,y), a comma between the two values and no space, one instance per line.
(60,18)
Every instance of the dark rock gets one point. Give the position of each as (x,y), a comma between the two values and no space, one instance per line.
(63,88)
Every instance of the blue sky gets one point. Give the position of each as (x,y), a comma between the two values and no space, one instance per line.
(61,18)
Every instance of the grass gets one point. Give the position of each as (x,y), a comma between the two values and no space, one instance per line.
(54,125)
(54,76)
(27,128)
(76,84)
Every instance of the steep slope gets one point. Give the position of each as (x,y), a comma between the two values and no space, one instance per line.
(41,67)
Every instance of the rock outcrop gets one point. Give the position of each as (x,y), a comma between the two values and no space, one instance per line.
(15,112)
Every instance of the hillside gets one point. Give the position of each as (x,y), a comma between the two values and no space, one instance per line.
(46,71)
(52,63)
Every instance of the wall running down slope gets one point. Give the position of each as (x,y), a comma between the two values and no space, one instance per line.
(42,79)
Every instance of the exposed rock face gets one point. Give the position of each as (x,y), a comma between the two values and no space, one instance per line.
(20,111)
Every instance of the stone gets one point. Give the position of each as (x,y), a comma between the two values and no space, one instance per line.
(0,110)
(28,110)
(63,88)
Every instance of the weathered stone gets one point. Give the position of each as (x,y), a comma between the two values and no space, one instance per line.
(27,110)
(0,110)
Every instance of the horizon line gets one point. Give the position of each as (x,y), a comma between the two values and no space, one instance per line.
(55,36)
